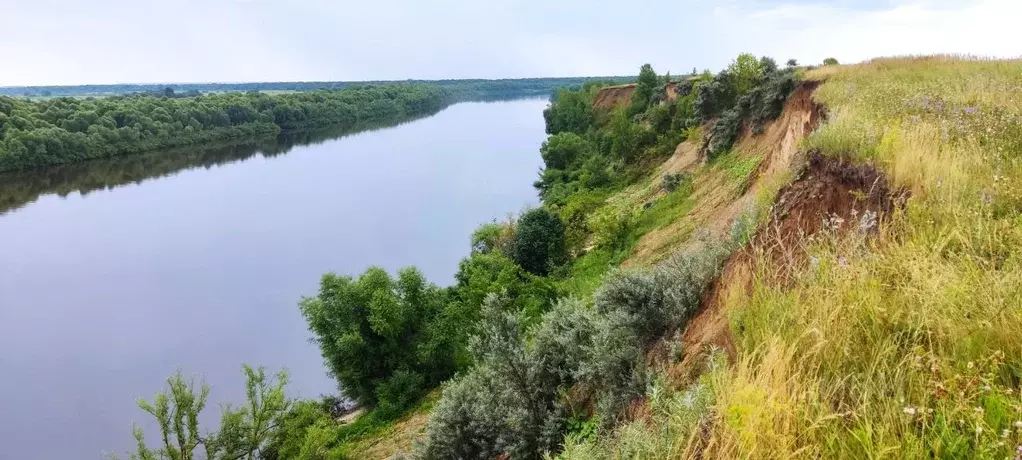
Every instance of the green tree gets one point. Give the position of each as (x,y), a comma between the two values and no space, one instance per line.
(746,72)
(382,336)
(570,111)
(562,150)
(645,87)
(244,430)
(792,63)
(539,241)
(830,61)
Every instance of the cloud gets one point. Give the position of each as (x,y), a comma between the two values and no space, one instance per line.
(107,41)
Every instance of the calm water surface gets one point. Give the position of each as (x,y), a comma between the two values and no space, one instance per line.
(103,296)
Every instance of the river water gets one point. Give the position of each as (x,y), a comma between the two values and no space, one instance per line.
(195,260)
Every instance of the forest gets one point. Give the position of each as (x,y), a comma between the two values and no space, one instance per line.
(541,341)
(48,132)
(19,188)
(462,90)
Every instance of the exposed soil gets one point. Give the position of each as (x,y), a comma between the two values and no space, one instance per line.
(830,194)
(720,200)
(615,96)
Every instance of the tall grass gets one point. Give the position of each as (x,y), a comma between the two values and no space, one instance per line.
(907,345)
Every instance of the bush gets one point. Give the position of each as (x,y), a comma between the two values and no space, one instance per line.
(371,328)
(470,421)
(398,392)
(492,236)
(480,275)
(714,96)
(539,241)
(724,132)
(830,61)
(569,111)
(645,87)
(746,72)
(561,150)
(671,182)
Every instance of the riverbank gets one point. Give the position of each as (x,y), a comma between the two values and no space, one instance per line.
(68,130)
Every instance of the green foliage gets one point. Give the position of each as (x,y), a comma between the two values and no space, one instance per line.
(563,150)
(792,63)
(645,89)
(375,331)
(714,96)
(539,241)
(745,72)
(516,401)
(569,111)
(300,433)
(830,61)
(480,275)
(491,237)
(244,432)
(671,182)
(759,104)
(65,130)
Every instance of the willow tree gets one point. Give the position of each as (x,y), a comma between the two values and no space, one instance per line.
(244,430)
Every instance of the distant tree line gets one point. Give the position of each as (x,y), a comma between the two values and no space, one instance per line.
(18,188)
(65,129)
(468,89)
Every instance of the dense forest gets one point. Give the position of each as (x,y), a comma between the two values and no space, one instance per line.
(539,340)
(19,188)
(65,130)
(469,89)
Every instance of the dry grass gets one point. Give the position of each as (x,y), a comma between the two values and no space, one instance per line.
(904,346)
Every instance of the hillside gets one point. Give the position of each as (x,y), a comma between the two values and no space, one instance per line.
(762,263)
(875,312)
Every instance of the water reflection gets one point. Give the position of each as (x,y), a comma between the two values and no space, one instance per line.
(20,188)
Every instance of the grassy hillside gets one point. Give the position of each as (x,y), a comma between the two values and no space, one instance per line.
(761,263)
(897,337)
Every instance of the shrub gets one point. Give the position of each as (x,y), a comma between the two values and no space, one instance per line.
(645,88)
(493,236)
(482,274)
(724,132)
(746,72)
(714,96)
(569,111)
(369,328)
(561,150)
(671,182)
(398,391)
(830,61)
(539,241)
(468,422)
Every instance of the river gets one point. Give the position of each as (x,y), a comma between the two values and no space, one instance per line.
(196,260)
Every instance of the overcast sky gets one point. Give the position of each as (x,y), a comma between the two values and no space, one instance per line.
(44,42)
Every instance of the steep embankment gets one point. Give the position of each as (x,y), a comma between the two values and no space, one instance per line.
(616,96)
(874,312)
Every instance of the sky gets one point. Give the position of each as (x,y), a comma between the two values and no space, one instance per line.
(50,42)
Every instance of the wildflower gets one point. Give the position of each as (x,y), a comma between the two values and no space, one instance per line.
(1005,433)
(814,261)
(986,387)
(978,410)
(842,262)
(909,410)
(970,110)
(868,221)
(1018,424)
(970,365)
(979,429)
